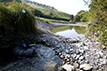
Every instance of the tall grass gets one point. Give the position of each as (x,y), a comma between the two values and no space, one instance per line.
(16,19)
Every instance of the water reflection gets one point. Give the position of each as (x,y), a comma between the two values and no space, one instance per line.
(69,31)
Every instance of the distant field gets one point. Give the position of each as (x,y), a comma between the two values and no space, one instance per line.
(52,13)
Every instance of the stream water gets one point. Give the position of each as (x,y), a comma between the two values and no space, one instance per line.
(69,31)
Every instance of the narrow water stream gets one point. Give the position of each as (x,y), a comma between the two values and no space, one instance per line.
(69,31)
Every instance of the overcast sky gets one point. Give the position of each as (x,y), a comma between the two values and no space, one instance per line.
(67,6)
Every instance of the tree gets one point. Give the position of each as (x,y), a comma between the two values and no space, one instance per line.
(81,16)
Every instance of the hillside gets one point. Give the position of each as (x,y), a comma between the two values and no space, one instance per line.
(50,13)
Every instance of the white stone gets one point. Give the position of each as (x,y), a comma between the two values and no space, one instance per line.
(86,67)
(67,56)
(82,57)
(82,51)
(71,50)
(97,43)
(101,53)
(68,67)
(77,56)
(74,55)
(104,47)
(61,56)
(85,47)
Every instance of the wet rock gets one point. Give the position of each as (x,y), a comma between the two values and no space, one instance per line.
(86,67)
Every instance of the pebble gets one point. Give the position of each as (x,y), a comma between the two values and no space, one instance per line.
(77,56)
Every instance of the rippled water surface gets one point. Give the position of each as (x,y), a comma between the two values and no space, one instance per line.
(69,31)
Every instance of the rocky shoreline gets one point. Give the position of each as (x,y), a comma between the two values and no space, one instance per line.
(56,53)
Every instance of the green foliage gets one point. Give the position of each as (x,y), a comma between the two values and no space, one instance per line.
(81,16)
(98,16)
